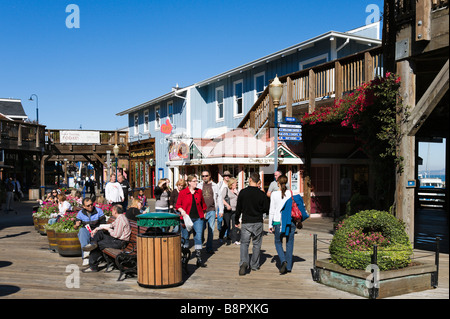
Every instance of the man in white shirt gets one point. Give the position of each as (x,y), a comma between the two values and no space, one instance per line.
(114,192)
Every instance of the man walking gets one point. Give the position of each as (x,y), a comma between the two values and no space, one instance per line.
(114,192)
(252,204)
(214,202)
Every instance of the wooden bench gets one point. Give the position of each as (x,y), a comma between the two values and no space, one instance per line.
(124,259)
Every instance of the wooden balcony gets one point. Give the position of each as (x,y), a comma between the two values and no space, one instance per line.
(305,89)
(84,151)
(22,136)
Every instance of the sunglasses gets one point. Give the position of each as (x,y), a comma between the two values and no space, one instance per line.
(90,205)
(205,175)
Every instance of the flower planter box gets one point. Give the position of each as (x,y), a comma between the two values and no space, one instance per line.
(418,277)
(68,244)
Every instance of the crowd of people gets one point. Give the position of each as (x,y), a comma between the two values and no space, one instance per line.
(238,214)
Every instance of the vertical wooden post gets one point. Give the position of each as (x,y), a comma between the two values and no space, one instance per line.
(42,188)
(289,97)
(337,80)
(312,91)
(38,142)
(19,136)
(252,125)
(406,149)
(423,20)
(368,67)
(271,115)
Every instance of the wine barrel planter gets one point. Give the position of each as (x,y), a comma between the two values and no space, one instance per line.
(68,244)
(51,236)
(41,226)
(35,223)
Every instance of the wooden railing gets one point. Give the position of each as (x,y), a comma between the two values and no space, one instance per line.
(328,80)
(21,135)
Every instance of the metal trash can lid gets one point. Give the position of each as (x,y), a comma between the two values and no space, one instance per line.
(158,220)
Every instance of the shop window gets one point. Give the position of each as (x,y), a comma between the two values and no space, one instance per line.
(321,179)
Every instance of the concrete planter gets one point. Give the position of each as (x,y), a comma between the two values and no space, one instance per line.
(418,277)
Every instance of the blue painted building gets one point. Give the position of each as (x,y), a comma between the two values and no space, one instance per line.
(166,131)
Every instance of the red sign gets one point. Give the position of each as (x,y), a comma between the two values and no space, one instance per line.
(166,128)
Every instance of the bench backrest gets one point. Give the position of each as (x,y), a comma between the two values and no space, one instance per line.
(134,232)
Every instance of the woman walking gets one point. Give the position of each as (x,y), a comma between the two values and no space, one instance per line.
(230,195)
(191,205)
(277,201)
(162,195)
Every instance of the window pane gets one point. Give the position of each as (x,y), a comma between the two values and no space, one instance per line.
(238,90)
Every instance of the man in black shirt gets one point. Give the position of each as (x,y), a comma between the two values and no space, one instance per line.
(126,188)
(252,204)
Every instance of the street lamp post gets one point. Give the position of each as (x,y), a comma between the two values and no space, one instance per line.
(116,154)
(37,106)
(275,92)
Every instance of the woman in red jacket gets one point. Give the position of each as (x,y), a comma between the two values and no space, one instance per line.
(190,202)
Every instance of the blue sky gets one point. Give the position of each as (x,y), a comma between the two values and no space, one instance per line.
(127,52)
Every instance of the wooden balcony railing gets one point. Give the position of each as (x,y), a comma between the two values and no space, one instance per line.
(106,137)
(328,80)
(17,135)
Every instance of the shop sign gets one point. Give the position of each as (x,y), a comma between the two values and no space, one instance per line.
(141,153)
(178,150)
(79,137)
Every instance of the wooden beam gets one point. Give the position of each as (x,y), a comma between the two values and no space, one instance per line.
(428,101)
(404,195)
(99,159)
(312,91)
(289,97)
(423,20)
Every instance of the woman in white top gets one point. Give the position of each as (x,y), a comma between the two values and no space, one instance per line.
(277,200)
(63,207)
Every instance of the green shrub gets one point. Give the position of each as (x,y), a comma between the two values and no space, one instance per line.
(358,203)
(352,244)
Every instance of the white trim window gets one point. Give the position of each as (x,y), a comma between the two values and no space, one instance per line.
(238,92)
(220,111)
(260,84)
(136,123)
(146,121)
(313,61)
(157,117)
(170,111)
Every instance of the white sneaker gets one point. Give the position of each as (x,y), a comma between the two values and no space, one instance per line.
(237,243)
(85,261)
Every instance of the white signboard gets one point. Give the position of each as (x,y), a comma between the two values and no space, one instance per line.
(79,137)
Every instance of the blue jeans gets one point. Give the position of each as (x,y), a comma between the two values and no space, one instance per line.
(285,257)
(85,238)
(197,230)
(210,221)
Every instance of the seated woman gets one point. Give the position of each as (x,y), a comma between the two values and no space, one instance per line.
(63,207)
(134,210)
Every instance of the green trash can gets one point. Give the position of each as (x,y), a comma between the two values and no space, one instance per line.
(159,251)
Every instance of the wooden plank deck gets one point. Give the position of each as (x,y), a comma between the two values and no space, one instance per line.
(29,270)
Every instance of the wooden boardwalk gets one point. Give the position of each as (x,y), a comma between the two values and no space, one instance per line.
(29,270)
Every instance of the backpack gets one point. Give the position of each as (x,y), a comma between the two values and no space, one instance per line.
(296,214)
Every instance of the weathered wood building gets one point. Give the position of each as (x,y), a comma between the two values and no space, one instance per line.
(416,47)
